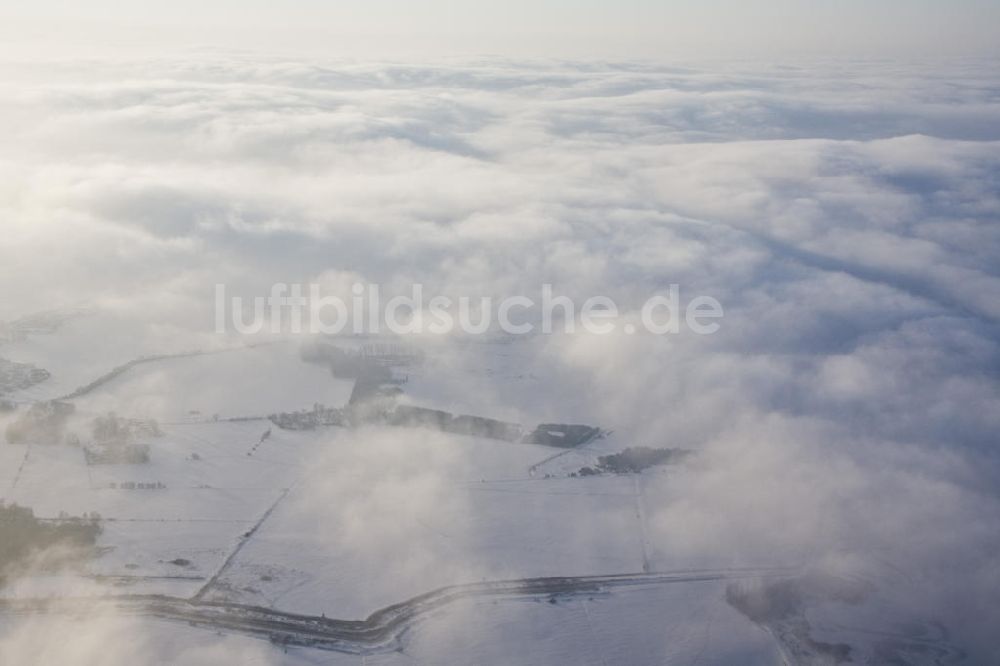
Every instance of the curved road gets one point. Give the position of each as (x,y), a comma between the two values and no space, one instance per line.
(380,630)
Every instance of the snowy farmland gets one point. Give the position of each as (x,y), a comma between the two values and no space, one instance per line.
(344,523)
(255,381)
(385,515)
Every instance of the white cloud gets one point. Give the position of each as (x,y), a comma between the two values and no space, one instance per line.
(845,219)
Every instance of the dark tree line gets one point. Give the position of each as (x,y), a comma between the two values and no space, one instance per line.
(22,535)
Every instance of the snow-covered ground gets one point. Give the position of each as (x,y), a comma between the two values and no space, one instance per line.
(387,514)
(210,492)
(343,522)
(685,623)
(681,623)
(251,381)
(83,347)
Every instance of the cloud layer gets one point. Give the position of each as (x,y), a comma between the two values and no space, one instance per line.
(844,214)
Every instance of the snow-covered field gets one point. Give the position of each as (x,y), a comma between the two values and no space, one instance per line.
(388,514)
(341,522)
(686,623)
(721,279)
(81,349)
(197,513)
(253,381)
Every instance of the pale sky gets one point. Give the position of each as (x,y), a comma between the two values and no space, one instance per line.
(624,28)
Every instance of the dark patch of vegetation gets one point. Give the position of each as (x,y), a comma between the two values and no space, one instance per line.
(23,537)
(115,440)
(43,423)
(635,459)
(411,416)
(111,428)
(355,363)
(119,454)
(370,384)
(464,424)
(765,603)
(18,376)
(319,416)
(480,426)
(782,602)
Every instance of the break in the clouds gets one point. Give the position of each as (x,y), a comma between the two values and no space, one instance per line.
(845,213)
